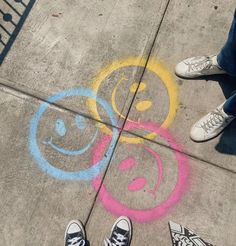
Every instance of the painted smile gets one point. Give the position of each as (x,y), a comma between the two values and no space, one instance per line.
(71,152)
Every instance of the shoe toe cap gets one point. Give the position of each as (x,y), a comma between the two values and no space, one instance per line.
(124,224)
(197,134)
(73,228)
(181,69)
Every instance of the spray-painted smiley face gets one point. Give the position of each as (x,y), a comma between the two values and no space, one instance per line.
(139,182)
(113,203)
(159,70)
(49,168)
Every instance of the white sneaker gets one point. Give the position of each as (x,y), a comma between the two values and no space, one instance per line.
(211,125)
(198,66)
(121,233)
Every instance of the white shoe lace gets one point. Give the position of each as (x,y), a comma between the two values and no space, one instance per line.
(199,66)
(216,119)
(120,240)
(76,241)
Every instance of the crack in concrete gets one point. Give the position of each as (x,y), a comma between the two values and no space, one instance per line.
(131,104)
(57,106)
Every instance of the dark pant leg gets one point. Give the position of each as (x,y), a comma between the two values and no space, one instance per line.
(230,105)
(227,56)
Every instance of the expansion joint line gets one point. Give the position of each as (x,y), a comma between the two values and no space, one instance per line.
(132,101)
(146,63)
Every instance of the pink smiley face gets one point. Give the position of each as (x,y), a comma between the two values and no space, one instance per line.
(140,182)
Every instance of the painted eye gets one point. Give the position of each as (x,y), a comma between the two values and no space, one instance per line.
(127,164)
(60,127)
(80,122)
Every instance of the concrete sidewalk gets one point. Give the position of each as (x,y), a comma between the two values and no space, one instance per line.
(84,90)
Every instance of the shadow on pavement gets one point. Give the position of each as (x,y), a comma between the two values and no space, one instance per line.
(227,142)
(8,22)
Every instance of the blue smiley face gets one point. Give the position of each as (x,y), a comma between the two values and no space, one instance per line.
(61,130)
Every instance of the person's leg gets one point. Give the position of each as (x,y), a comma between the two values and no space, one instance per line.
(227,57)
(230,105)
(121,233)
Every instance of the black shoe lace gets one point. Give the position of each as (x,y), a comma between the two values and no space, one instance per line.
(75,241)
(117,239)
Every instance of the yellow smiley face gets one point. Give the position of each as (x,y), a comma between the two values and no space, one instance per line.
(153,65)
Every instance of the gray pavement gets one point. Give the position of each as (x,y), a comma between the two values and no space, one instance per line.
(55,138)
